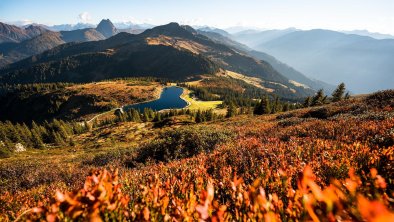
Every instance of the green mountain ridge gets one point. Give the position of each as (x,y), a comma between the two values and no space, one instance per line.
(170,51)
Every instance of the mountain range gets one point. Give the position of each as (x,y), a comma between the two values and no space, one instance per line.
(309,60)
(365,64)
(24,42)
(14,34)
(253,38)
(290,73)
(374,35)
(170,51)
(118,25)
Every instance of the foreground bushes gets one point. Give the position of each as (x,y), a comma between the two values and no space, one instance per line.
(381,99)
(182,143)
(246,168)
(179,199)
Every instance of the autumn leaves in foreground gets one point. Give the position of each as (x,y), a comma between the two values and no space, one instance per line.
(102,198)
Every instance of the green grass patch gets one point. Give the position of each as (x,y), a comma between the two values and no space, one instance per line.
(202,105)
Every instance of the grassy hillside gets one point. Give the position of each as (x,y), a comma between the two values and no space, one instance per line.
(287,71)
(74,101)
(195,104)
(327,162)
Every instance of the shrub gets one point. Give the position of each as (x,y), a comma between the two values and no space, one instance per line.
(202,200)
(182,143)
(320,113)
(110,158)
(381,99)
(4,153)
(100,199)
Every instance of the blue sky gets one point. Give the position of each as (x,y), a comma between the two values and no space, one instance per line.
(373,15)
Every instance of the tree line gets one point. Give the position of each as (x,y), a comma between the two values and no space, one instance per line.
(149,115)
(57,133)
(320,98)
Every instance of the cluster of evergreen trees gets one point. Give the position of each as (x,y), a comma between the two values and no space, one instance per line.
(33,87)
(149,115)
(268,106)
(320,98)
(238,102)
(57,132)
(235,91)
(40,87)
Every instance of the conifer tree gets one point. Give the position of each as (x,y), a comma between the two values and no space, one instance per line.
(199,117)
(24,133)
(276,106)
(210,115)
(158,117)
(259,109)
(319,98)
(135,115)
(338,93)
(146,115)
(264,107)
(307,102)
(36,139)
(231,110)
(57,139)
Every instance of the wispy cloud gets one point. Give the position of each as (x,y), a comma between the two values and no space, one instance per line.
(85,17)
(21,22)
(195,21)
(133,20)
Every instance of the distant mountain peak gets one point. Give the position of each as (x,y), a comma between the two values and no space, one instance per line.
(35,30)
(107,28)
(11,33)
(171,29)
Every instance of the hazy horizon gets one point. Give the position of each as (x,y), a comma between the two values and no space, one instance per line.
(336,15)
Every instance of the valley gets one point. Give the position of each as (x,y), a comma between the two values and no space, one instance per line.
(198,111)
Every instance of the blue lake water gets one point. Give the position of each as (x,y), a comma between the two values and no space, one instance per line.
(169,99)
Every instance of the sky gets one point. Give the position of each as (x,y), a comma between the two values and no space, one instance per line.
(372,15)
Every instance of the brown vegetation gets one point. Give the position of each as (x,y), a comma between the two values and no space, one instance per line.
(328,165)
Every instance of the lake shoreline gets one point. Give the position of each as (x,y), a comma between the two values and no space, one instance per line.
(124,108)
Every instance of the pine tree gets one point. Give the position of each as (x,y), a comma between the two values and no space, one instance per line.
(151,114)
(264,107)
(307,102)
(209,115)
(276,106)
(338,93)
(25,134)
(259,109)
(146,115)
(39,130)
(61,128)
(199,117)
(135,115)
(158,117)
(231,110)
(36,139)
(57,139)
(319,98)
